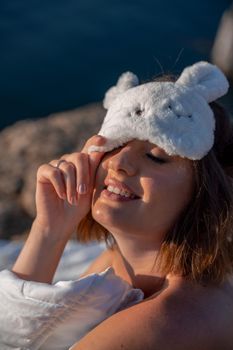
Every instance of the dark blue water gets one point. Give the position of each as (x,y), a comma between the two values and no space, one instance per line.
(57,55)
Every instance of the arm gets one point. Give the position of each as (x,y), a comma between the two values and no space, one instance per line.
(128,329)
(150,325)
(38,265)
(40,255)
(60,207)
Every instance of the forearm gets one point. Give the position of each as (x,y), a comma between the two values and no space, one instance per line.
(40,255)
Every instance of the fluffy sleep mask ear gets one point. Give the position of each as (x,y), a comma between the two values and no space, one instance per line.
(206,79)
(125,82)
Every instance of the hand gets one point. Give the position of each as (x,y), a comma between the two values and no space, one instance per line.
(64,192)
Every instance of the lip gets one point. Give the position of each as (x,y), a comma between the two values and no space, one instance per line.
(123,187)
(116,197)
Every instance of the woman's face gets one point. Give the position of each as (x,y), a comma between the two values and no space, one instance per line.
(163,186)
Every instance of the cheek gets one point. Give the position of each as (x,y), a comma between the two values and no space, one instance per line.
(99,182)
(181,188)
(169,187)
(150,188)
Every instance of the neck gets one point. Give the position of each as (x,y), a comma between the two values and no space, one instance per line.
(135,262)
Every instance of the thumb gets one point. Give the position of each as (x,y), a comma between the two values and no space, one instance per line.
(94,157)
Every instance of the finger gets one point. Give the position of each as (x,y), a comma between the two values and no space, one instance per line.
(94,157)
(82,169)
(81,163)
(96,140)
(69,175)
(47,174)
(56,163)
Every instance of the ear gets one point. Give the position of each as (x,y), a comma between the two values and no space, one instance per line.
(206,79)
(125,82)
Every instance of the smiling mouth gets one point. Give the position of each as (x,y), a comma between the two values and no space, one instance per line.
(114,192)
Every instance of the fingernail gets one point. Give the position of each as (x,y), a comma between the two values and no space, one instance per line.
(82,189)
(72,200)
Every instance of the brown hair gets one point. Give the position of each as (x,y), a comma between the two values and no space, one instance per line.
(200,245)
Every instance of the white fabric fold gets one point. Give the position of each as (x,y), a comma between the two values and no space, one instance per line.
(37,315)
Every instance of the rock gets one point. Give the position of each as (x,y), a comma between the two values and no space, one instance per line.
(26,145)
(13,219)
(222,52)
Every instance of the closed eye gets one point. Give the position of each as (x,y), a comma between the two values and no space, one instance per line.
(156,159)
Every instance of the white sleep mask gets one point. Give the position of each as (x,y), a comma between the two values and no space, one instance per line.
(175,116)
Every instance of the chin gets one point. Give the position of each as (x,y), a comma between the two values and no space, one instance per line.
(104,216)
(110,218)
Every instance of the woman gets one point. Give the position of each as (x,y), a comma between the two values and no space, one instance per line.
(160,194)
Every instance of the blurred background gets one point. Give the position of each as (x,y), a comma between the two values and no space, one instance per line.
(59,57)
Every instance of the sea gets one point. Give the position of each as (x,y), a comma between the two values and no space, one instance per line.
(57,55)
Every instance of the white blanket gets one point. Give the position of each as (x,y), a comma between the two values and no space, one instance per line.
(75,259)
(37,315)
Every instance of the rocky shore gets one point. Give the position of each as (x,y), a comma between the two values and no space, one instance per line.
(222,51)
(29,143)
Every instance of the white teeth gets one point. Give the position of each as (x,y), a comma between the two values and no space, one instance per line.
(118,191)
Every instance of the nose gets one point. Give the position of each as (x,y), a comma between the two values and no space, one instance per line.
(123,160)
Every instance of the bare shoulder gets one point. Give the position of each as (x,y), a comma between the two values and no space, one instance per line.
(103,261)
(194,316)
(183,316)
